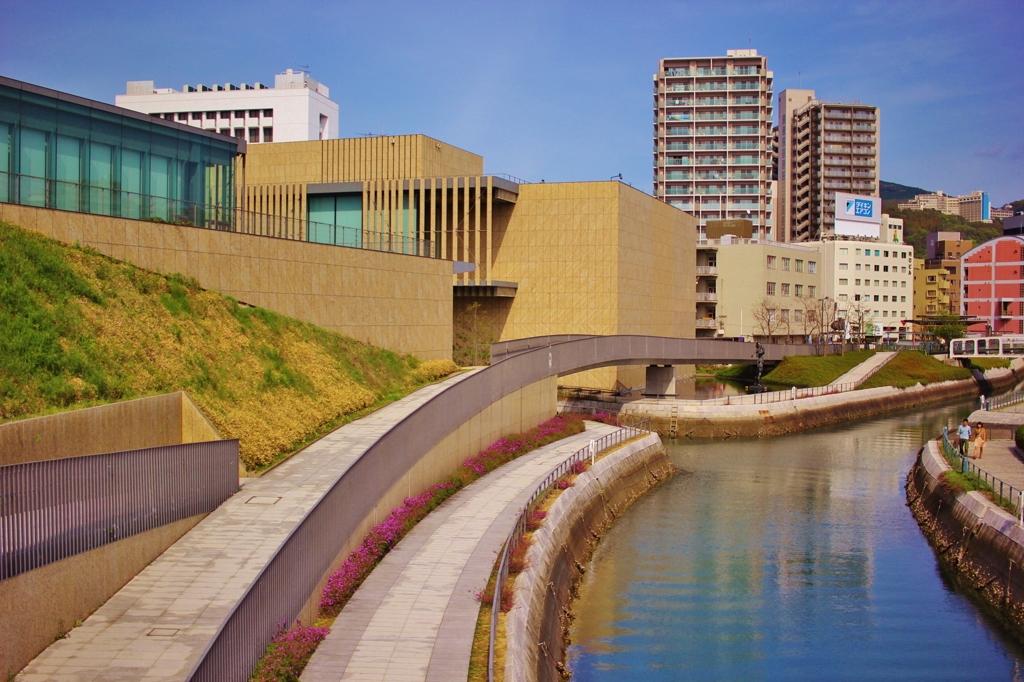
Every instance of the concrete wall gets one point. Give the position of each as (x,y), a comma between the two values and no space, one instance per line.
(169,419)
(402,303)
(355,159)
(595,258)
(516,412)
(38,606)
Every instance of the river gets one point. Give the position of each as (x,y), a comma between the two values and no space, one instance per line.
(785,558)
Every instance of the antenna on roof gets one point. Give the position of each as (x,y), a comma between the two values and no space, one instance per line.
(302,67)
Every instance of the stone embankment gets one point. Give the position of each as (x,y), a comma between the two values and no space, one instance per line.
(979,543)
(537,625)
(712,419)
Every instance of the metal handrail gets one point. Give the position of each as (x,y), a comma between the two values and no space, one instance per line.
(622,434)
(999,401)
(965,466)
(56,508)
(780,396)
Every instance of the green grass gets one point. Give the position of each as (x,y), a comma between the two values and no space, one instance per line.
(956,483)
(990,363)
(804,371)
(737,372)
(909,368)
(79,329)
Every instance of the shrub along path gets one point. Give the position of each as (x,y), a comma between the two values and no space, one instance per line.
(414,617)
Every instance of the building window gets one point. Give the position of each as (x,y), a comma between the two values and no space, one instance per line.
(255,113)
(903,284)
(197,116)
(857,252)
(812,267)
(182,117)
(876,300)
(799,265)
(885,283)
(903,299)
(885,268)
(876,283)
(240,133)
(784,315)
(811,291)
(887,254)
(842,297)
(844,251)
(268,113)
(785,264)
(799,290)
(843,282)
(856,297)
(857,266)
(771,262)
(785,289)
(211,115)
(225,114)
(268,134)
(885,313)
(930,279)
(876,253)
(798,316)
(885,299)
(770,289)
(239,114)
(903,269)
(254,134)
(876,314)
(844,266)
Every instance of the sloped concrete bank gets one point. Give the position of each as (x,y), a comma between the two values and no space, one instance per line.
(537,625)
(695,419)
(978,544)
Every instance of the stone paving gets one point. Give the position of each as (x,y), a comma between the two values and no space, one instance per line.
(414,617)
(158,625)
(862,372)
(1001,459)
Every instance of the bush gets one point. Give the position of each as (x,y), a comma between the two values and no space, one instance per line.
(1018,437)
(288,653)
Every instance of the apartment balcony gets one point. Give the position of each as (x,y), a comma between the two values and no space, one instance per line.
(715,190)
(744,160)
(745,116)
(678,161)
(832,113)
(864,162)
(744,175)
(711,175)
(704,116)
(743,190)
(752,208)
(867,139)
(707,271)
(682,205)
(677,117)
(746,130)
(711,161)
(864,127)
(838,126)
(707,296)
(717,71)
(675,190)
(678,175)
(706,87)
(745,100)
(746,86)
(864,115)
(677,146)
(711,102)
(675,102)
(706,323)
(711,131)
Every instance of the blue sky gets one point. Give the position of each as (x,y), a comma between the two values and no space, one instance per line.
(562,90)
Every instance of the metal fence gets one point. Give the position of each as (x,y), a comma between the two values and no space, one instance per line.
(69,196)
(1006,492)
(590,452)
(54,509)
(779,396)
(999,401)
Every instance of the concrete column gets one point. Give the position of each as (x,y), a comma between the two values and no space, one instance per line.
(661,382)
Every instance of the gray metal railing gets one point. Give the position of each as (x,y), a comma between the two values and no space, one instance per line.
(779,396)
(29,190)
(54,509)
(999,401)
(1005,491)
(596,446)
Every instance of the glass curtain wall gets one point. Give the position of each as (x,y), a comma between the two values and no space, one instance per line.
(69,156)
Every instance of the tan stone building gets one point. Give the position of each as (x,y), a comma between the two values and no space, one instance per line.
(932,288)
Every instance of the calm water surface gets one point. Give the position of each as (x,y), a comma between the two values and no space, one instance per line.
(785,558)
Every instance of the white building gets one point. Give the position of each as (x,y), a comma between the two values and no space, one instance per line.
(296,109)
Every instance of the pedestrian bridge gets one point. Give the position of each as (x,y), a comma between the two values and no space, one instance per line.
(206,609)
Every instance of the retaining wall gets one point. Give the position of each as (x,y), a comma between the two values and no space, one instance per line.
(979,543)
(537,625)
(705,420)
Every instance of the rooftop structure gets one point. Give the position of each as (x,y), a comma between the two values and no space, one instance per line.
(297,108)
(712,135)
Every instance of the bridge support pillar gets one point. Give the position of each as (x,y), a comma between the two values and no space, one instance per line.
(661,382)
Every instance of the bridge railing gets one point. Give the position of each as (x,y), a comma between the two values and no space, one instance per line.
(997,488)
(779,396)
(597,446)
(53,509)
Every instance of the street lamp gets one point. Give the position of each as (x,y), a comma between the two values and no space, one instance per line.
(616,177)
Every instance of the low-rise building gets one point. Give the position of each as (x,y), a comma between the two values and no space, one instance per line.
(994,286)
(943,250)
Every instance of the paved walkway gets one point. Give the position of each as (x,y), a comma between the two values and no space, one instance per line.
(159,624)
(862,372)
(414,617)
(1002,460)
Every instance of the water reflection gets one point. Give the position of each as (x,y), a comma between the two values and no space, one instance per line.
(704,388)
(782,558)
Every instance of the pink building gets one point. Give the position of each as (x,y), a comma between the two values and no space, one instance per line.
(993,282)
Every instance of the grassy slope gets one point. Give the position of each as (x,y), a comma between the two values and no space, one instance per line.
(813,370)
(913,367)
(79,329)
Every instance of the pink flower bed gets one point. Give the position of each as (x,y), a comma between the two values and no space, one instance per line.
(288,653)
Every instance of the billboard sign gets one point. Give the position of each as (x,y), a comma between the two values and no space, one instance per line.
(858,216)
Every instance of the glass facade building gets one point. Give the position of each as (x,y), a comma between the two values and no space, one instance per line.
(65,152)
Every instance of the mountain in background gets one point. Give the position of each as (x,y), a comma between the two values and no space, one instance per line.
(893,191)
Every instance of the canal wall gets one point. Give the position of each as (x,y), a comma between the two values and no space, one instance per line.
(698,419)
(980,544)
(538,624)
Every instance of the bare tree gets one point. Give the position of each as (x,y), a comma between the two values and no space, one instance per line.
(859,315)
(766,314)
(811,324)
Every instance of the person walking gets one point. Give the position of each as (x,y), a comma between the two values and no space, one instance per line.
(963,434)
(979,441)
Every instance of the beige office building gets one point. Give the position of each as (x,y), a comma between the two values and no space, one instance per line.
(824,148)
(712,133)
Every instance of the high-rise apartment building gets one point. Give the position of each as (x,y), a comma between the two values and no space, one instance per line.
(824,147)
(296,109)
(712,131)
